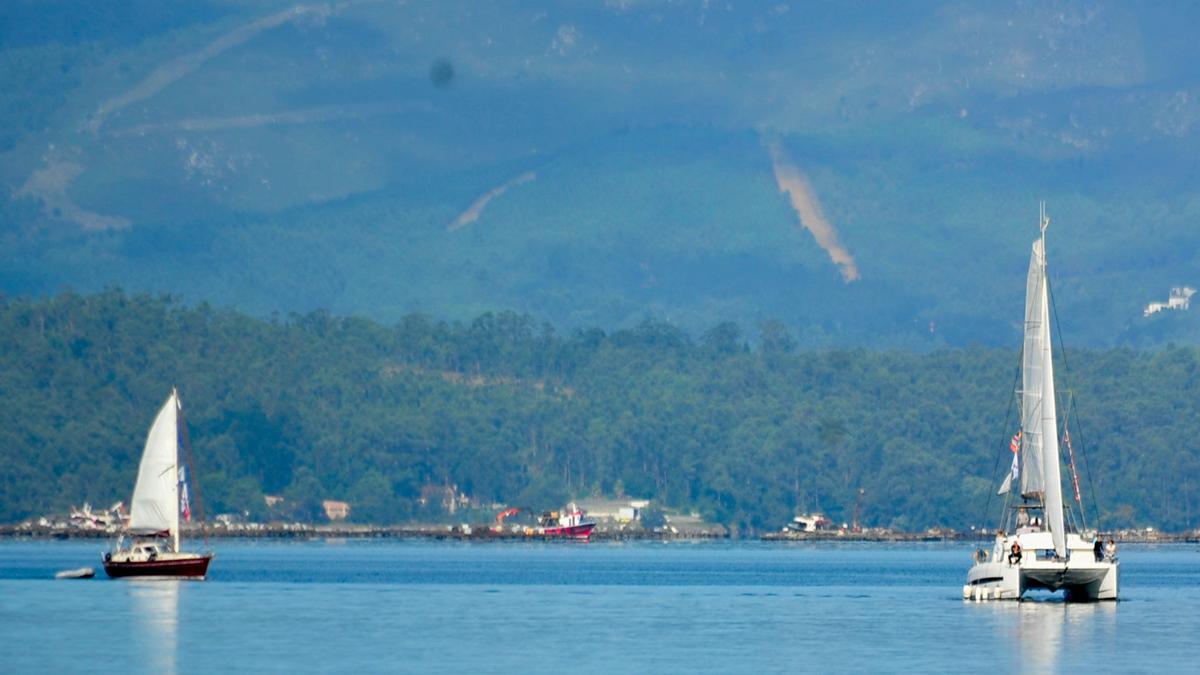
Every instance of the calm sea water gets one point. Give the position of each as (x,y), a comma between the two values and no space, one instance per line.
(355,606)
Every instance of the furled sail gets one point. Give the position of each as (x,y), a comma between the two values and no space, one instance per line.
(155,504)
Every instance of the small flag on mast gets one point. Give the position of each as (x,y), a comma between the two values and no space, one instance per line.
(184,504)
(1014,445)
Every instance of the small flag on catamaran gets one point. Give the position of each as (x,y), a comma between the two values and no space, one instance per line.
(1014,445)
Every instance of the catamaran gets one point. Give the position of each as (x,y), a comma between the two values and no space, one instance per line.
(1037,546)
(150,546)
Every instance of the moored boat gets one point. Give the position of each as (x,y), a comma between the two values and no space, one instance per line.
(568,525)
(150,546)
(1041,542)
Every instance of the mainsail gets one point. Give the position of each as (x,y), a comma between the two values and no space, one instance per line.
(155,505)
(1033,362)
(1040,474)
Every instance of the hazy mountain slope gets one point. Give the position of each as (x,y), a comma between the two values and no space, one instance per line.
(612,158)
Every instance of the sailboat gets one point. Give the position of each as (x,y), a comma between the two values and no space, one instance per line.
(1033,548)
(150,546)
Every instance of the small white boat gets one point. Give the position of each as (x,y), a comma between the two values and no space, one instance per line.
(78,573)
(1033,548)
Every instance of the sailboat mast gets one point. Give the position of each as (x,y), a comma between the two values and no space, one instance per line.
(191,471)
(175,516)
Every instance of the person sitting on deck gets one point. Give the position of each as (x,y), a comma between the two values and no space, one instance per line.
(1110,550)
(1098,549)
(1014,555)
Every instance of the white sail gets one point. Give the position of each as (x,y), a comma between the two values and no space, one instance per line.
(155,505)
(1041,475)
(1050,460)
(1032,381)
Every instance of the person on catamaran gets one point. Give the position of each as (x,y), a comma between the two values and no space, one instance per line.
(1098,549)
(1110,550)
(1014,554)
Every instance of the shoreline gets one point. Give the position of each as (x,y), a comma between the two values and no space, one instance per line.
(483,534)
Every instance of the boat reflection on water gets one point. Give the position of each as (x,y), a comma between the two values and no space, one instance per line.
(155,605)
(1045,632)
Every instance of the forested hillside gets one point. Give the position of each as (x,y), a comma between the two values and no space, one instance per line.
(598,163)
(317,406)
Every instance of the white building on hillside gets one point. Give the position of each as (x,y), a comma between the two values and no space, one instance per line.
(1180,298)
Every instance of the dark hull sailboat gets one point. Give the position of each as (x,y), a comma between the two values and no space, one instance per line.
(179,565)
(160,497)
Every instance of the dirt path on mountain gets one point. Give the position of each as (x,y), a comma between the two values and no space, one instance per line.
(473,212)
(182,66)
(313,115)
(793,181)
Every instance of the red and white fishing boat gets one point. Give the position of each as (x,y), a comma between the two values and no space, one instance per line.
(570,524)
(150,546)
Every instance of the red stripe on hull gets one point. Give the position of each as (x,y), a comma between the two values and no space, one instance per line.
(191,567)
(582,532)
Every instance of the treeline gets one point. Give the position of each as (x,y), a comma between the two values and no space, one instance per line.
(319,407)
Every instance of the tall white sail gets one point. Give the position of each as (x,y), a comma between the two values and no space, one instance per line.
(1033,363)
(155,504)
(1050,459)
(1039,418)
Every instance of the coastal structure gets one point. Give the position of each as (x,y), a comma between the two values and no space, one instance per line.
(1179,299)
(336,510)
(614,510)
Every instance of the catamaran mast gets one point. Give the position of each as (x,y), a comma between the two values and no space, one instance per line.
(1041,478)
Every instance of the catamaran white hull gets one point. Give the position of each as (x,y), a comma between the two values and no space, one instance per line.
(993,581)
(1078,581)
(1087,581)
(1080,576)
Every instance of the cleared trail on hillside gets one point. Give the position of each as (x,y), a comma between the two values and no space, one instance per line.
(476,209)
(804,200)
(180,67)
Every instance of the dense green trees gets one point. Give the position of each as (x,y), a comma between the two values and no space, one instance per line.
(319,407)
